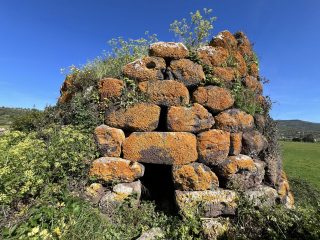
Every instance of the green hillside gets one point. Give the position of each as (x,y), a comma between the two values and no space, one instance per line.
(296,128)
(7,114)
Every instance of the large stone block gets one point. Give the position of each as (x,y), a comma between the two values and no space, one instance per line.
(110,88)
(187,72)
(234,120)
(224,39)
(214,98)
(194,177)
(245,179)
(235,164)
(189,119)
(213,56)
(226,74)
(137,117)
(253,143)
(213,146)
(262,196)
(208,203)
(253,83)
(166,93)
(168,50)
(244,45)
(110,169)
(145,69)
(109,140)
(161,148)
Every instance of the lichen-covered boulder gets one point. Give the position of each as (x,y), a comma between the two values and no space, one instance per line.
(224,74)
(110,88)
(253,142)
(171,148)
(285,195)
(214,98)
(194,177)
(214,228)
(187,72)
(189,119)
(95,192)
(253,69)
(235,143)
(119,193)
(208,203)
(253,83)
(244,45)
(168,50)
(152,234)
(213,56)
(239,64)
(224,39)
(145,69)
(137,117)
(234,120)
(111,169)
(261,196)
(213,146)
(245,178)
(234,164)
(260,121)
(166,93)
(109,140)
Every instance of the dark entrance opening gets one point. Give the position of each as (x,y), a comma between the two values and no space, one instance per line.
(158,186)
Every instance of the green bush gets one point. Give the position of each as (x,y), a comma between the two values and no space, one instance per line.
(28,162)
(28,121)
(194,32)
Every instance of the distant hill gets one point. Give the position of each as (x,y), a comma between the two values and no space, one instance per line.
(7,114)
(297,128)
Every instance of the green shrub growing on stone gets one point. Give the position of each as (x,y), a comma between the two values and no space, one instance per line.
(194,32)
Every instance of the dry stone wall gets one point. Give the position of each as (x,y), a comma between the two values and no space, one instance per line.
(212,148)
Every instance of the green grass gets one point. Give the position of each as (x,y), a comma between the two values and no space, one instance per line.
(302,161)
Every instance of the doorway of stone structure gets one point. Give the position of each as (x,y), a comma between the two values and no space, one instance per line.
(158,186)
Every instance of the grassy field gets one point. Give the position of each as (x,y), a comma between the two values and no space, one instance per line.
(302,161)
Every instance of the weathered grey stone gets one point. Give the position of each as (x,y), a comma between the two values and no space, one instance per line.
(152,234)
(262,196)
(95,192)
(208,203)
(253,142)
(214,228)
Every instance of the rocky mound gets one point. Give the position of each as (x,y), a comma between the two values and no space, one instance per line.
(184,133)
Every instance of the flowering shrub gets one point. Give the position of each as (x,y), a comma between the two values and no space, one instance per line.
(28,162)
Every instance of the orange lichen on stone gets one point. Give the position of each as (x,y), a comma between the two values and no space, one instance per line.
(213,146)
(137,117)
(110,88)
(145,69)
(224,39)
(240,64)
(235,143)
(234,120)
(214,98)
(66,90)
(189,119)
(253,142)
(111,169)
(187,72)
(109,140)
(161,147)
(236,163)
(166,92)
(194,177)
(253,69)
(213,56)
(253,84)
(168,50)
(244,45)
(226,74)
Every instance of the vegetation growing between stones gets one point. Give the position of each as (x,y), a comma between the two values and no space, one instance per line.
(194,32)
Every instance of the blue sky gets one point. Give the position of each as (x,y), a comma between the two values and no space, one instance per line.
(39,37)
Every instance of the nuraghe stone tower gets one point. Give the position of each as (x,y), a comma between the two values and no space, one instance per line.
(185,142)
